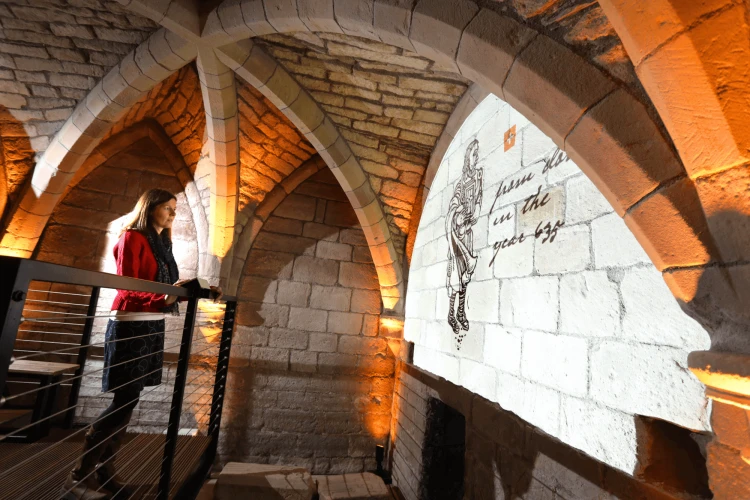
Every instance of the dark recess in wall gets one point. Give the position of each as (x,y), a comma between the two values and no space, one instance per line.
(673,458)
(443,453)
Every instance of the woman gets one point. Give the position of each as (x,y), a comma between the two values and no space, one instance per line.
(133,351)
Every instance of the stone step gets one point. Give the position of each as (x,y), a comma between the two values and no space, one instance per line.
(361,486)
(238,481)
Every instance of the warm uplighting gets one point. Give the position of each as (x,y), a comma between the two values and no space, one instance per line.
(14,252)
(391,324)
(392,329)
(728,382)
(390,302)
(211,316)
(378,425)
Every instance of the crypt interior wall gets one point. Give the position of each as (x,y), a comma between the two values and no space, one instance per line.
(82,232)
(311,377)
(570,327)
(506,457)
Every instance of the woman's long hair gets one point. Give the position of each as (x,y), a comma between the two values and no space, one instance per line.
(141,215)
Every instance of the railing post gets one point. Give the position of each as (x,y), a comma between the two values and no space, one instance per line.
(177,395)
(14,289)
(82,354)
(222,369)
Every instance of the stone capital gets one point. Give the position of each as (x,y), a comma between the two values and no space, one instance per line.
(725,374)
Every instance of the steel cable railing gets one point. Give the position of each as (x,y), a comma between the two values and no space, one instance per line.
(43,321)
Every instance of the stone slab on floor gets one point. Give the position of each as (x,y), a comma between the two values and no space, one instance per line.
(238,481)
(363,486)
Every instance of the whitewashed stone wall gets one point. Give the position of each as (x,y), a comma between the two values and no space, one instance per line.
(573,330)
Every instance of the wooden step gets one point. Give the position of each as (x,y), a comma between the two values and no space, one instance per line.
(44,368)
(8,416)
(36,471)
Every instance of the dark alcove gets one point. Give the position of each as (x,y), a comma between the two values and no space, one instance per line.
(443,453)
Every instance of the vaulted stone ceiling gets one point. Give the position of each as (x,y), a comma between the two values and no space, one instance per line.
(391,106)
(52,53)
(177,106)
(271,147)
(579,24)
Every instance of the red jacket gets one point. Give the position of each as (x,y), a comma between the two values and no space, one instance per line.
(135,259)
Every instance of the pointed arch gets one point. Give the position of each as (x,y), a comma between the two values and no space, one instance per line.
(252,64)
(122,141)
(160,55)
(272,200)
(607,131)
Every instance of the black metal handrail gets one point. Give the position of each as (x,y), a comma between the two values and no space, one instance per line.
(16,275)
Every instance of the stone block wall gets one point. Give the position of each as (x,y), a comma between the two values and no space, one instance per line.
(506,457)
(311,376)
(570,326)
(390,105)
(271,147)
(176,105)
(51,54)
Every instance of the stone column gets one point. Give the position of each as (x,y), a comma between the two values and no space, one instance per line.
(727,379)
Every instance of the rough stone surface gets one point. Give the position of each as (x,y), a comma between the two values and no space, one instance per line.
(261,481)
(176,104)
(579,308)
(311,381)
(50,56)
(352,486)
(389,104)
(271,147)
(506,457)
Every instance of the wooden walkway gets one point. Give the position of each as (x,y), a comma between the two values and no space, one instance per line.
(37,471)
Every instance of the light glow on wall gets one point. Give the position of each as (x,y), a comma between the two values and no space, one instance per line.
(211,314)
(528,289)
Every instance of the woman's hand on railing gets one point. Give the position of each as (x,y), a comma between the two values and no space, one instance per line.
(171,299)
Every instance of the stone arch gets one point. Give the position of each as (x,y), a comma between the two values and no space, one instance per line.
(605,129)
(122,141)
(255,223)
(252,64)
(706,117)
(106,188)
(310,278)
(470,100)
(151,62)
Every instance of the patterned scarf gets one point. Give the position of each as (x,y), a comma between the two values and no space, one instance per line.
(166,267)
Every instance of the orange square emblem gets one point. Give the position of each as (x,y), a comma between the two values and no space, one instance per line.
(510,138)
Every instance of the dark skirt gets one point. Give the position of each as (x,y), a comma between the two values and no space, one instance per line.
(133,354)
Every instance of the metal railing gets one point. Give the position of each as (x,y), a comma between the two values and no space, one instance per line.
(39,317)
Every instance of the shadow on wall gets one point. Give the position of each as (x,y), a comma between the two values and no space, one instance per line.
(310,378)
(290,405)
(672,465)
(16,162)
(511,459)
(717,297)
(85,224)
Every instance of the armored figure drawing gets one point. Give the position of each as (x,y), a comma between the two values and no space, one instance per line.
(463,212)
